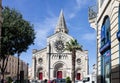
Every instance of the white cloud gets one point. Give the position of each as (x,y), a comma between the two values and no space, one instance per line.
(89,36)
(72,15)
(80,3)
(43,29)
(77,7)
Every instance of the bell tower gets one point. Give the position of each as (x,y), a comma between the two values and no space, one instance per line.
(61,25)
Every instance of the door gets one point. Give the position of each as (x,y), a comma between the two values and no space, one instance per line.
(78,76)
(40,76)
(59,74)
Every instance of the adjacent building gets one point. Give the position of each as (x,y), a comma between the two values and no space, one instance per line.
(94,73)
(30,73)
(53,61)
(106,21)
(12,68)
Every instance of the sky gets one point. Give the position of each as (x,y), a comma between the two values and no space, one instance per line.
(43,14)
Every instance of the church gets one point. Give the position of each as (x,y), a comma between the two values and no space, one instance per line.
(53,62)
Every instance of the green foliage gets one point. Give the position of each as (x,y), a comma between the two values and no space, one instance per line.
(68,80)
(73,45)
(17,33)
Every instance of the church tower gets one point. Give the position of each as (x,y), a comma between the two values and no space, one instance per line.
(61,25)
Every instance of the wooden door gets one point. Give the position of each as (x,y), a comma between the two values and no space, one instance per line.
(40,76)
(59,74)
(78,76)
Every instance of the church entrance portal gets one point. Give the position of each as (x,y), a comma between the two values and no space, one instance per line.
(59,70)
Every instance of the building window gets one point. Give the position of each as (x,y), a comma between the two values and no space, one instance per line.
(105,31)
(40,60)
(78,61)
(105,50)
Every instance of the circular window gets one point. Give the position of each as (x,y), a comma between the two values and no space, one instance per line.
(78,61)
(59,45)
(40,60)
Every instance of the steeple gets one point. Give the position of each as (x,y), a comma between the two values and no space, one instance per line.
(61,25)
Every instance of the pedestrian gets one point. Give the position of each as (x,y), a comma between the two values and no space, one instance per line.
(45,81)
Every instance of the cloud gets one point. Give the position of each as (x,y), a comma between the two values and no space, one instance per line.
(89,36)
(80,3)
(43,29)
(77,7)
(72,15)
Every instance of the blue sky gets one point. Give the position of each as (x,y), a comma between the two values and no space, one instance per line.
(43,14)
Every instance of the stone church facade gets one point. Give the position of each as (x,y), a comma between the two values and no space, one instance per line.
(53,61)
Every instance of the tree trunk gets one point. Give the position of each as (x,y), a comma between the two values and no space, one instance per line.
(73,66)
(2,70)
(3,67)
(2,81)
(18,67)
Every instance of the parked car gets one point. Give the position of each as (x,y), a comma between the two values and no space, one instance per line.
(60,81)
(89,79)
(78,81)
(34,81)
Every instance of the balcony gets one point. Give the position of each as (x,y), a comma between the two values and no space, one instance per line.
(92,12)
(92,15)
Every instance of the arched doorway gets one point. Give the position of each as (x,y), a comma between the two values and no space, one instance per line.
(59,70)
(78,74)
(40,73)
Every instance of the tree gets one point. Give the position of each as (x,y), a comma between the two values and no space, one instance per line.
(17,35)
(72,46)
(68,80)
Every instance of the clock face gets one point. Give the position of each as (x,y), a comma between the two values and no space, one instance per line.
(59,45)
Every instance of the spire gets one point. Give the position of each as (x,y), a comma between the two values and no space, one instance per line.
(61,25)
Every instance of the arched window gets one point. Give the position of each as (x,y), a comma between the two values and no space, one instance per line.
(105,31)
(105,50)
